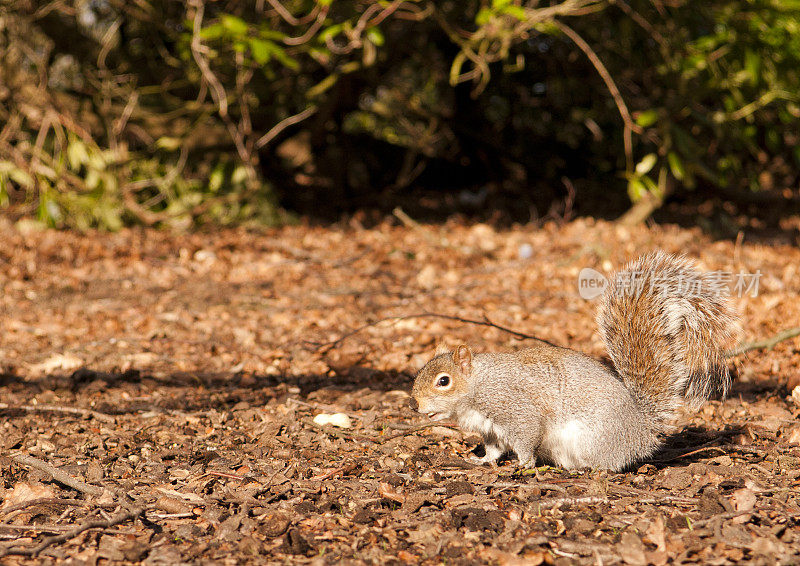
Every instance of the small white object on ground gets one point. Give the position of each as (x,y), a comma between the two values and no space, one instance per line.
(337,419)
(525,251)
(796,394)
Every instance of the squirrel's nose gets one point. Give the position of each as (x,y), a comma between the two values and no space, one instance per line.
(413,404)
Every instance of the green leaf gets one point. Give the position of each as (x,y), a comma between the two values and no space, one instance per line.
(646,164)
(676,166)
(330,32)
(169,143)
(271,34)
(517,12)
(260,49)
(650,185)
(20,177)
(239,175)
(92,179)
(214,31)
(375,36)
(322,86)
(4,200)
(647,118)
(636,190)
(752,64)
(216,178)
(234,25)
(285,60)
(77,154)
(483,16)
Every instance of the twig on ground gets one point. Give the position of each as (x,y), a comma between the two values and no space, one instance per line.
(56,474)
(671,499)
(36,528)
(725,448)
(327,346)
(49,501)
(721,516)
(414,430)
(409,222)
(58,409)
(559,501)
(540,485)
(85,526)
(768,343)
(333,431)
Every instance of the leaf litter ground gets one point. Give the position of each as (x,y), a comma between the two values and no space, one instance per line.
(158,392)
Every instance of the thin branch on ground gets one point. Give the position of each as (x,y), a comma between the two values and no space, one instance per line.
(409,222)
(39,528)
(56,474)
(49,501)
(559,501)
(720,517)
(327,346)
(767,343)
(415,430)
(58,409)
(85,526)
(724,449)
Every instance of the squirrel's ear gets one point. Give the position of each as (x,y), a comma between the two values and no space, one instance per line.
(441,348)
(462,357)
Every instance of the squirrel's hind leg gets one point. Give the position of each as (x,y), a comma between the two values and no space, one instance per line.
(527,460)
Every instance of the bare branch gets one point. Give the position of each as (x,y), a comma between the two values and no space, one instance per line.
(326,346)
(289,18)
(58,409)
(766,343)
(629,124)
(314,28)
(217,90)
(285,123)
(85,526)
(56,474)
(47,501)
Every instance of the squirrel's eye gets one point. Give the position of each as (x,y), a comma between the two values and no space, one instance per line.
(443,380)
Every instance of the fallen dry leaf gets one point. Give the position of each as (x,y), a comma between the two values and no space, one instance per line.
(22,492)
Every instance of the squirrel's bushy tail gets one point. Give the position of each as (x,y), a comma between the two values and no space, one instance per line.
(666,326)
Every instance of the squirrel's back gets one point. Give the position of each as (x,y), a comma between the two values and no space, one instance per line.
(666,326)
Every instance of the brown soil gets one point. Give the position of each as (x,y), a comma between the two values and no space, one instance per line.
(198,363)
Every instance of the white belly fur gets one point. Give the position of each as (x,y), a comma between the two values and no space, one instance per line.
(567,442)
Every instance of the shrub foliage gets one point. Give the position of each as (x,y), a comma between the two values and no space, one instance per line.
(182,113)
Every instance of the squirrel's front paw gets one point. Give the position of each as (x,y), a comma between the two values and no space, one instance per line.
(481,460)
(492,454)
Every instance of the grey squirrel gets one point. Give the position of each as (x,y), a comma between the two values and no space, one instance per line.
(665,326)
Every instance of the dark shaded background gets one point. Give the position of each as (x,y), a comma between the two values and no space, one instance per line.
(182,114)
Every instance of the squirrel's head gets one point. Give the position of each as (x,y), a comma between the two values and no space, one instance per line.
(442,383)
